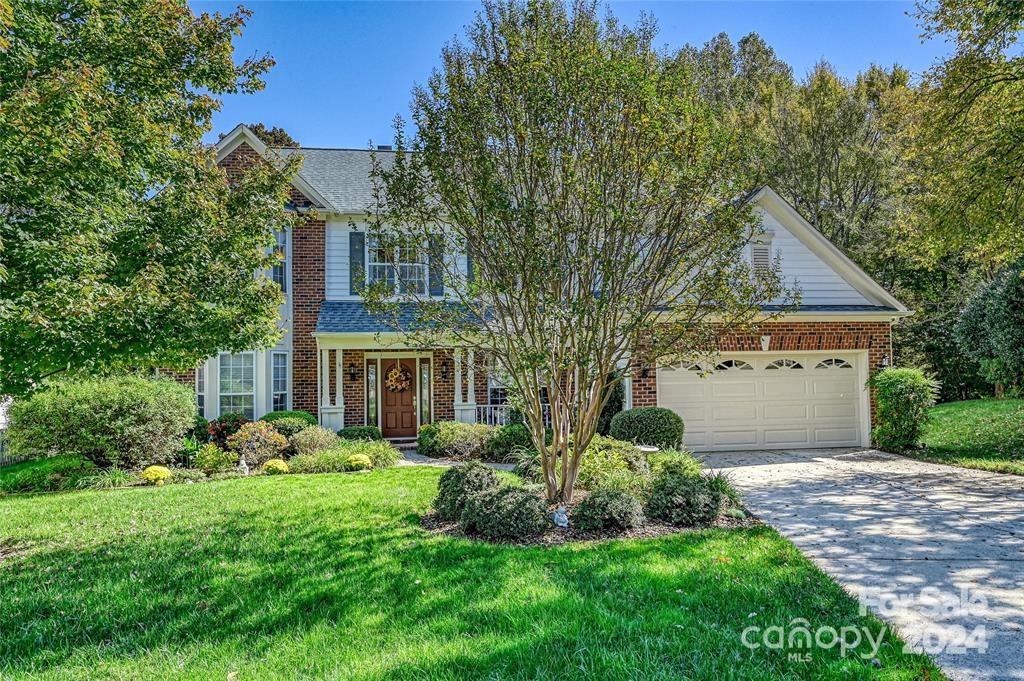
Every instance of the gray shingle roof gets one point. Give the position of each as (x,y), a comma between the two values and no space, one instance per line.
(342,176)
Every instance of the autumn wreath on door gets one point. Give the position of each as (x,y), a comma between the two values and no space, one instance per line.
(398,379)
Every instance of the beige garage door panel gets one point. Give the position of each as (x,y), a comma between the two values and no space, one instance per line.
(752,402)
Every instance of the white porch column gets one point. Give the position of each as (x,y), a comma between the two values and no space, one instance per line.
(464,412)
(332,411)
(471,388)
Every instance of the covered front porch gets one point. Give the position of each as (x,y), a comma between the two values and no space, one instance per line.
(377,381)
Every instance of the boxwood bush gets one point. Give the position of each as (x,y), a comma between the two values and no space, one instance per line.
(686,500)
(126,422)
(504,513)
(360,433)
(608,509)
(290,425)
(458,483)
(290,414)
(505,440)
(902,399)
(652,426)
(454,440)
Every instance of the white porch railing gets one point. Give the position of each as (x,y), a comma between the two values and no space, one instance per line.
(498,414)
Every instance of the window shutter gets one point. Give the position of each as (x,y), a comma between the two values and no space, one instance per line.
(761,255)
(436,258)
(469,268)
(356,262)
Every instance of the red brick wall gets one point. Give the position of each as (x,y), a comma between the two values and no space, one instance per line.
(187,377)
(444,389)
(875,337)
(354,392)
(308,286)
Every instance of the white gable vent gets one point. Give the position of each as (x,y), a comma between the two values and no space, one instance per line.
(761,254)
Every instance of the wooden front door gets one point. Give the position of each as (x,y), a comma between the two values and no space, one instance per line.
(398,397)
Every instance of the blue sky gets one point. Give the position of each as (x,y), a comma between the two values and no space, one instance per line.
(344,69)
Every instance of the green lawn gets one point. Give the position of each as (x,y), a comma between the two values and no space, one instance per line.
(332,576)
(985,434)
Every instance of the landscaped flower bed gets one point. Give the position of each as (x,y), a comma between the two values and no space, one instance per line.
(619,497)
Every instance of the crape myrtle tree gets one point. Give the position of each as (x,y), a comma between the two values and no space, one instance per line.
(122,244)
(598,198)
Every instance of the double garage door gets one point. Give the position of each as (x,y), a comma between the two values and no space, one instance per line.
(767,401)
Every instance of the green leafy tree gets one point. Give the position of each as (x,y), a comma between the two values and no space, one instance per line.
(970,152)
(122,243)
(991,328)
(594,186)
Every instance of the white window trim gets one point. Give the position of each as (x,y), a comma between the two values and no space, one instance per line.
(287,379)
(221,394)
(395,266)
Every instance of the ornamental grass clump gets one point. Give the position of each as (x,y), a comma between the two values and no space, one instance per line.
(312,440)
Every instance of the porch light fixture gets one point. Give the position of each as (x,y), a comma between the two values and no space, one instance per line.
(352,372)
(444,372)
(766,342)
(645,371)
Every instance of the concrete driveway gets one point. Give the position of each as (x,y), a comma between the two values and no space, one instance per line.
(884,526)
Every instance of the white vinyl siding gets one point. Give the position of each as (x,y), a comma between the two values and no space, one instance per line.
(819,284)
(336,268)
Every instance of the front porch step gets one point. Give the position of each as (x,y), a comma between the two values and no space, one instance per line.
(403,444)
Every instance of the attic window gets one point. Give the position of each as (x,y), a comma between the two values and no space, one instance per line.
(761,254)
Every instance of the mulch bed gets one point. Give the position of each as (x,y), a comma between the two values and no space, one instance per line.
(556,536)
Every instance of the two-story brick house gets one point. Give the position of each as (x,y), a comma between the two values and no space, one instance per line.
(800,384)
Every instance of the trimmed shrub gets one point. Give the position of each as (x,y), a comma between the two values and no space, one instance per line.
(458,483)
(275,416)
(212,459)
(156,475)
(902,399)
(505,440)
(608,509)
(360,433)
(275,467)
(652,426)
(257,443)
(674,462)
(685,500)
(358,462)
(45,475)
(124,422)
(312,440)
(426,439)
(454,440)
(504,513)
(290,425)
(225,426)
(381,454)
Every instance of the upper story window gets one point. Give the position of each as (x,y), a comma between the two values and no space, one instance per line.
(407,260)
(279,272)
